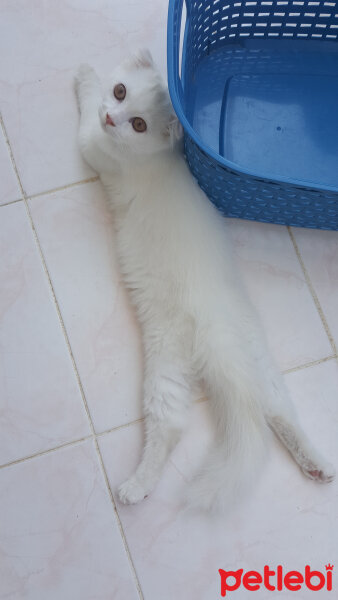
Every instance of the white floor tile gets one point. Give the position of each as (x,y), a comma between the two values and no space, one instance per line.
(76,234)
(41,405)
(319,250)
(277,287)
(58,536)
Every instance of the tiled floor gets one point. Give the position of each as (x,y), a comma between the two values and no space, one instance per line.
(71,368)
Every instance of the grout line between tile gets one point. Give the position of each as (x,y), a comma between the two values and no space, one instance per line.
(119,522)
(123,426)
(136,581)
(313,292)
(4,131)
(91,436)
(43,193)
(60,318)
(64,187)
(310,364)
(11,202)
(43,452)
(140,420)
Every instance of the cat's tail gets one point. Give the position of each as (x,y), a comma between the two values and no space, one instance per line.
(234,392)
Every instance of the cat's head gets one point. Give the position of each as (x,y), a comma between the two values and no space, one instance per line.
(136,110)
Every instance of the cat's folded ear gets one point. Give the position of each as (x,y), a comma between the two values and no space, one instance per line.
(141,59)
(174,130)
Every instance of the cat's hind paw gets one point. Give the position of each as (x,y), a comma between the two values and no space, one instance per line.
(323,473)
(132,491)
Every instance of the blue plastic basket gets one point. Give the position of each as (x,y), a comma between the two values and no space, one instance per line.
(257,95)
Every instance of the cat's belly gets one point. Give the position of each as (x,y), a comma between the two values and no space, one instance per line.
(151,273)
(153,290)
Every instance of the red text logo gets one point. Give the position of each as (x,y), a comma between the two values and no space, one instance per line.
(276,579)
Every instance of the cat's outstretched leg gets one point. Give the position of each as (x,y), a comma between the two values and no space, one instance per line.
(92,138)
(279,410)
(167,397)
(283,420)
(88,91)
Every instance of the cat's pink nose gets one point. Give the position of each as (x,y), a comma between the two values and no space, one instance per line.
(109,120)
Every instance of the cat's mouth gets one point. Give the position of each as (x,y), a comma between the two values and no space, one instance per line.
(109,120)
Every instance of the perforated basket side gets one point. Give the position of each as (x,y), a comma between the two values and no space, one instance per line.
(215,22)
(257,199)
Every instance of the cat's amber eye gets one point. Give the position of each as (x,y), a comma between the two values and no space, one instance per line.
(138,124)
(120,92)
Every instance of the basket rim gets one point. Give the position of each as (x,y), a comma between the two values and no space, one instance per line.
(173,79)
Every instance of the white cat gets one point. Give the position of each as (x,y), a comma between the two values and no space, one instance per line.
(196,322)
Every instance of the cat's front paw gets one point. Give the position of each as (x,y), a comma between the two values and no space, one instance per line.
(132,491)
(84,73)
(84,78)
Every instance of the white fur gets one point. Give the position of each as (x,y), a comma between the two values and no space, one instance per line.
(196,321)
